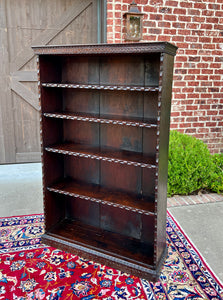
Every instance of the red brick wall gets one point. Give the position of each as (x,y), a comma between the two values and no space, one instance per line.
(196,27)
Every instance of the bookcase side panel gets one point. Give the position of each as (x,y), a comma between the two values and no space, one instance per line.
(50,68)
(163,153)
(50,71)
(52,131)
(51,100)
(54,209)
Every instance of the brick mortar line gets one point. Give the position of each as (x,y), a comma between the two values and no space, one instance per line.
(192,200)
(200,22)
(212,196)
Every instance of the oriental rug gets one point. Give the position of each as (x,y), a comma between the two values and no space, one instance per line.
(30,270)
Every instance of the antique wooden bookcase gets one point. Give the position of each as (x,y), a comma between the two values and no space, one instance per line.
(105,112)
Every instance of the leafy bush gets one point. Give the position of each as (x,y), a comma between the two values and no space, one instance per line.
(216,182)
(191,166)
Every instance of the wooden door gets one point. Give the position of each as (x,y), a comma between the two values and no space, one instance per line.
(23,24)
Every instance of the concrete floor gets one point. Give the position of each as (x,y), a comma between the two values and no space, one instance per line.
(203,224)
(21,194)
(20,189)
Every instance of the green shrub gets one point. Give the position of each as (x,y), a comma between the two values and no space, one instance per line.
(216,182)
(191,166)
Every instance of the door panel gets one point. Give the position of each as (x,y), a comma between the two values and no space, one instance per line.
(23,24)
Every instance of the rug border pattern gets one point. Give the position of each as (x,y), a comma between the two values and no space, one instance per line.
(147,286)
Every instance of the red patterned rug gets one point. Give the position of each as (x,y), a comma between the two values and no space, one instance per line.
(30,270)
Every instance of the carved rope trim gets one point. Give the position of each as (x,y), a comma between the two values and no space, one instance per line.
(99,120)
(98,157)
(75,195)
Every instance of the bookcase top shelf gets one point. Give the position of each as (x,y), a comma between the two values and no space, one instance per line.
(101,87)
(107,49)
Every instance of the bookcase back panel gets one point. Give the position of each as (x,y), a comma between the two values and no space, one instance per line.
(138,238)
(124,222)
(113,137)
(121,177)
(148,229)
(82,169)
(148,181)
(150,106)
(113,70)
(121,137)
(84,211)
(122,70)
(129,138)
(114,177)
(81,132)
(83,70)
(81,101)
(117,245)
(152,70)
(121,103)
(149,141)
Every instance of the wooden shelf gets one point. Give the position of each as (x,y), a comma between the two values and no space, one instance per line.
(103,241)
(114,120)
(92,192)
(102,87)
(106,154)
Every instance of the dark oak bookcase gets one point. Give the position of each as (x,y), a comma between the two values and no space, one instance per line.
(105,113)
